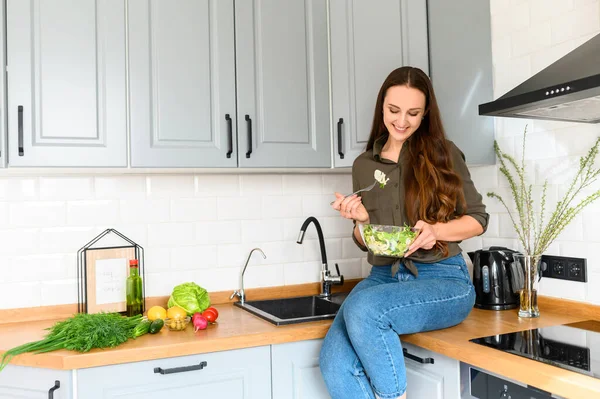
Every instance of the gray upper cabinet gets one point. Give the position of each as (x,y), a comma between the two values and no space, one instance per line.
(369,39)
(282,83)
(182,83)
(66,83)
(461,73)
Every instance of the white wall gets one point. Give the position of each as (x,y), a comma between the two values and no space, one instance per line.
(202,227)
(193,228)
(528,35)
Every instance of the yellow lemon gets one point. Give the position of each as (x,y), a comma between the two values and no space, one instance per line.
(175,312)
(156,312)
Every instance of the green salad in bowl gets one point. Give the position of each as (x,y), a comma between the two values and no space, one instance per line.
(385,240)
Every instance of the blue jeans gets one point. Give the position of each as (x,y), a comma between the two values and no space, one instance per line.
(362,353)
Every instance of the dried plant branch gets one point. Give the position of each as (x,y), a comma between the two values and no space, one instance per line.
(534,235)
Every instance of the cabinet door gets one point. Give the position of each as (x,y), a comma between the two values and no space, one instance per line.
(182,83)
(282,83)
(296,373)
(440,380)
(461,83)
(66,83)
(235,374)
(369,39)
(35,383)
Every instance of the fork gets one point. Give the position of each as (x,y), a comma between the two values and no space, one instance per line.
(369,188)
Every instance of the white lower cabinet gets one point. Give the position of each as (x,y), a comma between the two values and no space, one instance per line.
(35,383)
(242,373)
(437,380)
(296,372)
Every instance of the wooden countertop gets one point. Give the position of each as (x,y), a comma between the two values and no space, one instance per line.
(237,328)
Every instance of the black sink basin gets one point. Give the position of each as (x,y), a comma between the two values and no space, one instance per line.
(294,310)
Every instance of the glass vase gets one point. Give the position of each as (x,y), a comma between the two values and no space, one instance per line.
(530,265)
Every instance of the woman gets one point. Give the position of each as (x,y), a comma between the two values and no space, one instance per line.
(429,188)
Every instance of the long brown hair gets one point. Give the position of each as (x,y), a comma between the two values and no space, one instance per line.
(433,191)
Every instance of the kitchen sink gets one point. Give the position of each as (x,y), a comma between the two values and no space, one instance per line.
(295,310)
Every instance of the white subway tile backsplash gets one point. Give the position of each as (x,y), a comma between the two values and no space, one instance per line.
(256,185)
(349,268)
(18,189)
(312,249)
(168,186)
(66,188)
(194,257)
(218,185)
(562,289)
(222,232)
(65,239)
(171,234)
(240,208)
(193,209)
(337,183)
(37,214)
(21,295)
(318,205)
(157,260)
(303,184)
(530,39)
(262,230)
(221,279)
(263,276)
(145,210)
(587,22)
(350,249)
(302,272)
(30,268)
(19,242)
(120,187)
(57,292)
(543,10)
(103,213)
(4,219)
(281,206)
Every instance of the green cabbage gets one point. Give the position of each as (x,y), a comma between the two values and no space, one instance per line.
(191,297)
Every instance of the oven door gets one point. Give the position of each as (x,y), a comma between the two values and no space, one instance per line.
(476,383)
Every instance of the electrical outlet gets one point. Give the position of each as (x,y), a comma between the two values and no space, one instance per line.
(564,268)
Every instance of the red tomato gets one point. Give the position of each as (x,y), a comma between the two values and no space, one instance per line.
(210,315)
(214,310)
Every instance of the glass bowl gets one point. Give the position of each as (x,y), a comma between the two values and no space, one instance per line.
(384,240)
(177,324)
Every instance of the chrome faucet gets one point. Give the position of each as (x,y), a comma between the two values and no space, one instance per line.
(327,280)
(241,294)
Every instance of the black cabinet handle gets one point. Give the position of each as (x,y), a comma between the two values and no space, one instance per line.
(249,123)
(340,152)
(20,130)
(230,136)
(417,358)
(200,366)
(54,388)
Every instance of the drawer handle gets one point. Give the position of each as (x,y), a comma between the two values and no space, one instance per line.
(54,388)
(20,130)
(158,370)
(229,136)
(417,358)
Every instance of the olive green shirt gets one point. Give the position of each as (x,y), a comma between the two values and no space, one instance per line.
(386,205)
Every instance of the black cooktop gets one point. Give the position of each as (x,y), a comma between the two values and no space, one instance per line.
(574,347)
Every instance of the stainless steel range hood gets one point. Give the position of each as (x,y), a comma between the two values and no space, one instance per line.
(567,90)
